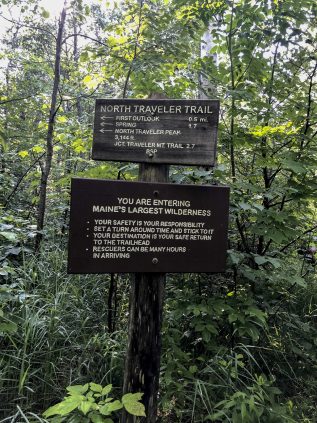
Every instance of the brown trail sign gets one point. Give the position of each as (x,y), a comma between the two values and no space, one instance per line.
(156,131)
(119,226)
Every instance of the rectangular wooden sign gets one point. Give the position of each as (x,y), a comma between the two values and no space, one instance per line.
(156,131)
(119,226)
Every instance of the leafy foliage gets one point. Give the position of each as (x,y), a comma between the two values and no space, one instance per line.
(91,400)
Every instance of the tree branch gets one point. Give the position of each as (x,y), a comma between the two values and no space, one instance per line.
(17,99)
(125,88)
(16,187)
(28,26)
(297,238)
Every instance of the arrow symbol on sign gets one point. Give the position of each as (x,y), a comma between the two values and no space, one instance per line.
(105,117)
(105,130)
(105,123)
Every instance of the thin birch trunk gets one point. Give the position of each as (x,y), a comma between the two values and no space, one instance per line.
(46,168)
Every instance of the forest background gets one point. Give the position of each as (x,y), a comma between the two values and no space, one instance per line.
(237,347)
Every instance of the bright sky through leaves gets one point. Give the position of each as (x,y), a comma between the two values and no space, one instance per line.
(54,7)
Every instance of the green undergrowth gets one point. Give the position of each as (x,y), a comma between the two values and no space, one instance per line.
(238,347)
(240,352)
(60,333)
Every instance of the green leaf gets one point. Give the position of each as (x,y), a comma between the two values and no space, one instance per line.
(9,327)
(277,236)
(276,263)
(245,206)
(243,411)
(38,149)
(193,369)
(235,257)
(63,408)
(84,56)
(232,318)
(108,408)
(106,390)
(9,236)
(300,281)
(15,251)
(3,272)
(95,387)
(23,154)
(132,405)
(294,166)
(45,14)
(115,405)
(87,79)
(85,406)
(260,260)
(77,389)
(61,119)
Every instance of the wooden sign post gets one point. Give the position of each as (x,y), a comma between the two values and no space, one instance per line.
(149,227)
(143,358)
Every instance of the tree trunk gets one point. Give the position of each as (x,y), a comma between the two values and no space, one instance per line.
(206,88)
(46,168)
(76,54)
(112,301)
